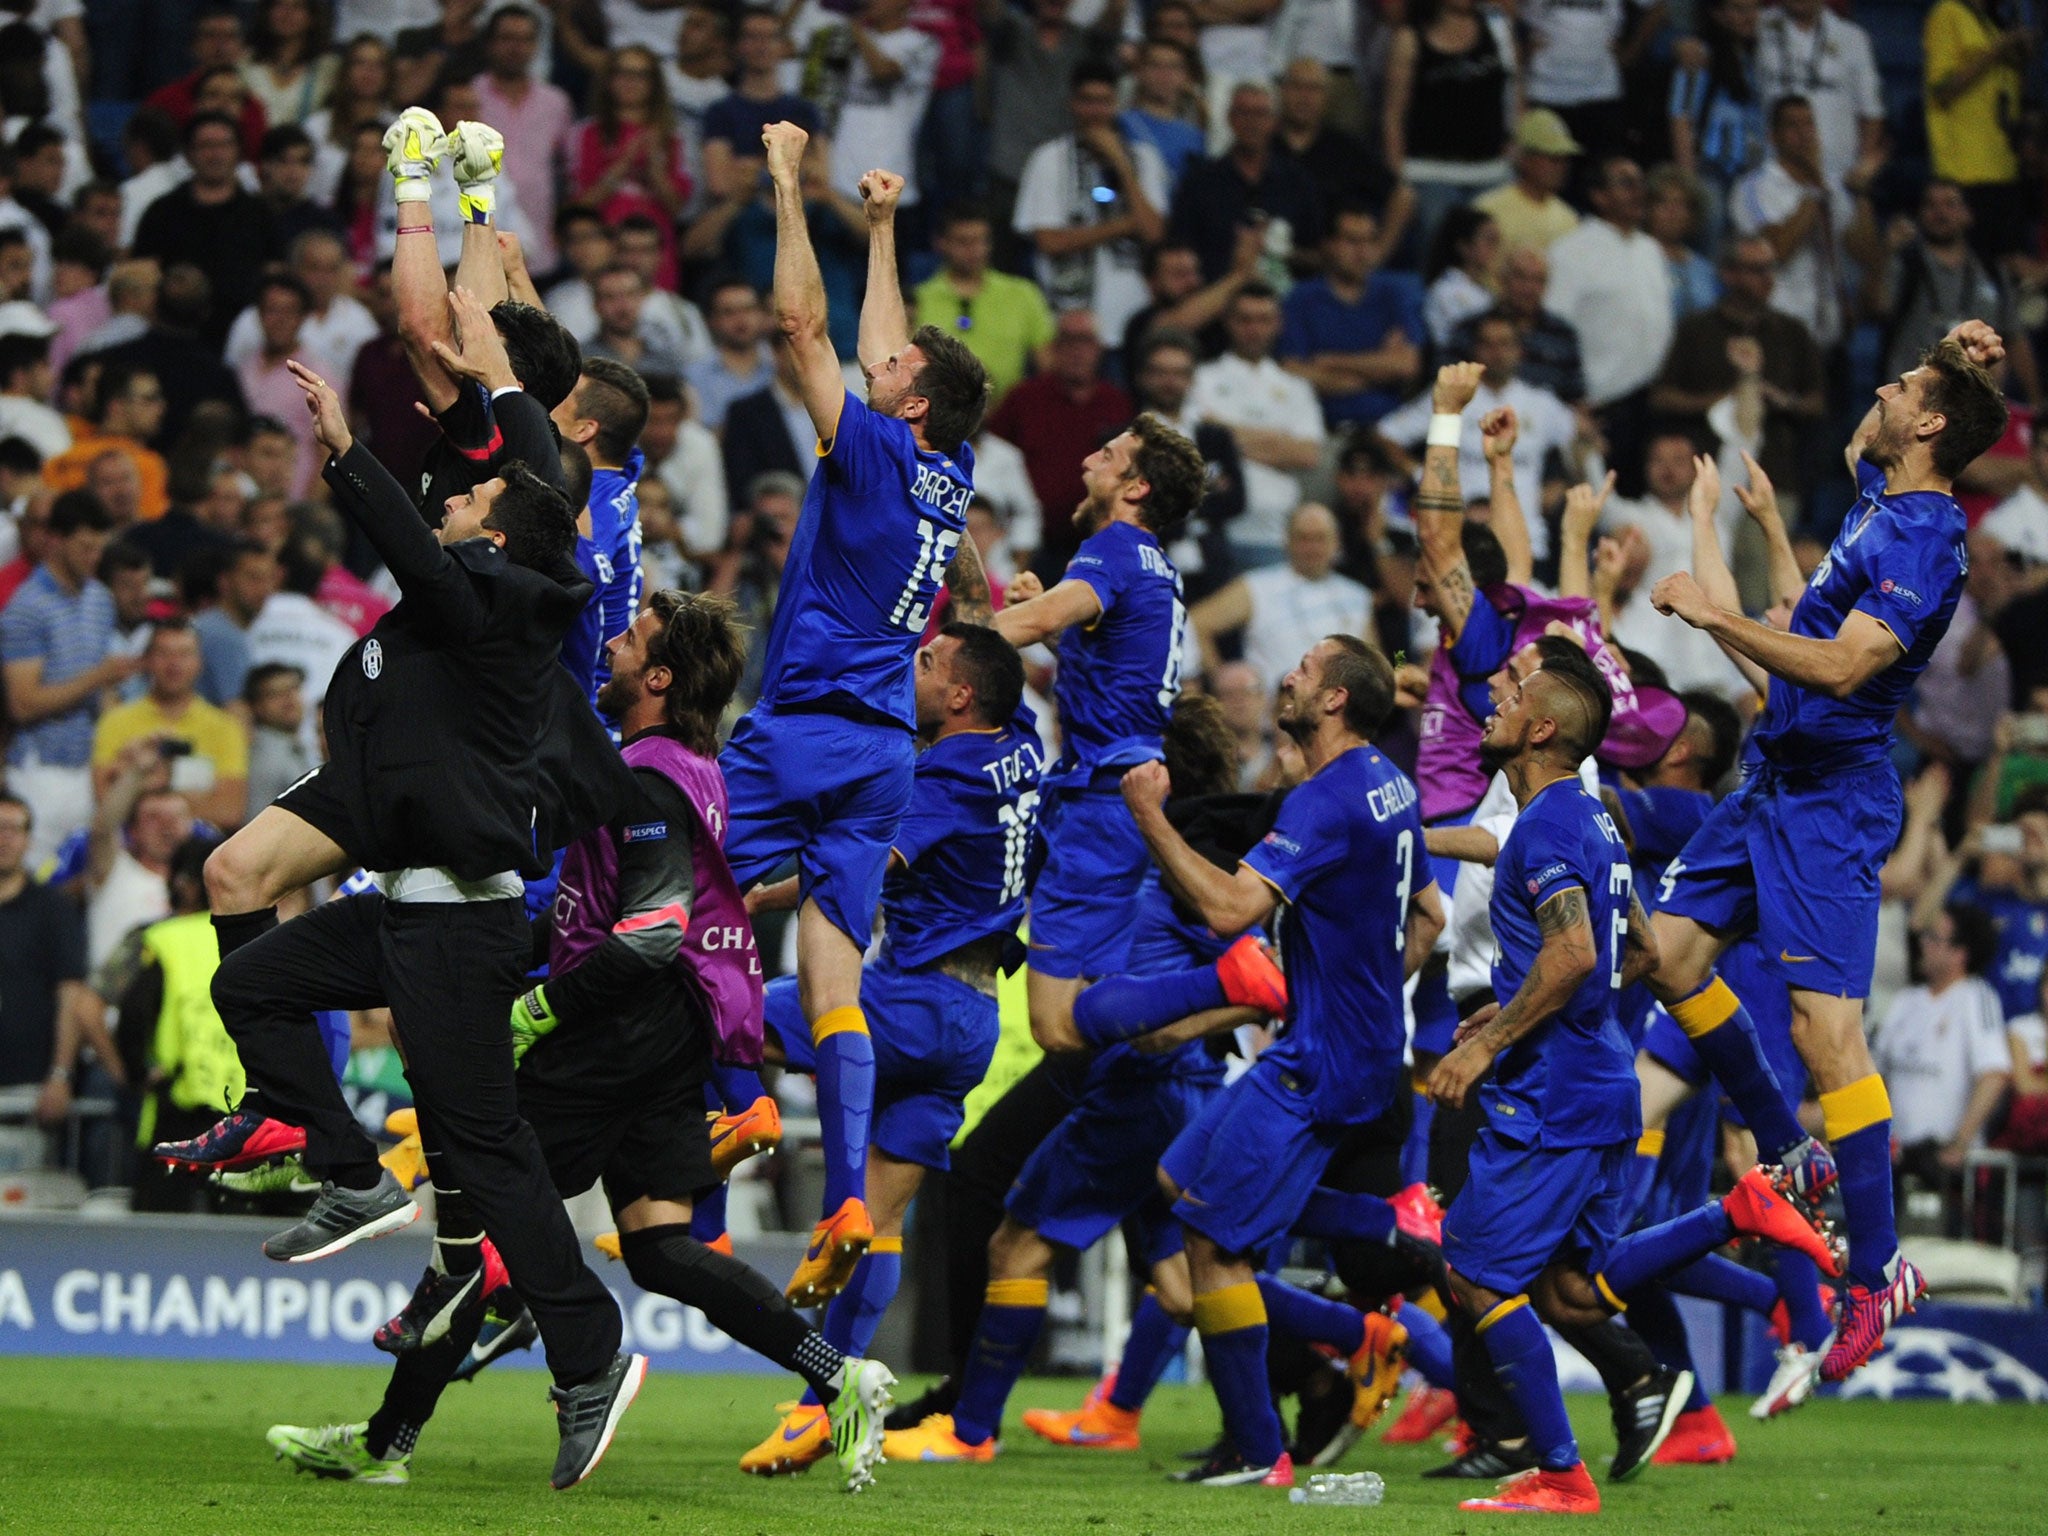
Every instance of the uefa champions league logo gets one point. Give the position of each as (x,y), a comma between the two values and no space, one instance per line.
(1934,1362)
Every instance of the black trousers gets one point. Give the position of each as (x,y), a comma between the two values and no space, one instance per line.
(985,1165)
(449,972)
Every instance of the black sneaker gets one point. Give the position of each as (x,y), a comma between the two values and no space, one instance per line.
(507,1326)
(1230,1470)
(1643,1416)
(1486,1463)
(342,1217)
(588,1416)
(941,1397)
(1319,1437)
(441,1304)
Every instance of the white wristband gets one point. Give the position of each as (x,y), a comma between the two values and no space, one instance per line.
(1445,431)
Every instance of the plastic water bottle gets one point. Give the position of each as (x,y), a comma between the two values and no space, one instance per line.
(1340,1488)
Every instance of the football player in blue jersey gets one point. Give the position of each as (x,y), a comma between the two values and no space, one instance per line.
(1359,917)
(1118,615)
(820,769)
(1540,1218)
(604,415)
(1793,855)
(950,904)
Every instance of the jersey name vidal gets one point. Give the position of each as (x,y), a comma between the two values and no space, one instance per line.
(610,556)
(1902,560)
(1119,676)
(965,842)
(880,523)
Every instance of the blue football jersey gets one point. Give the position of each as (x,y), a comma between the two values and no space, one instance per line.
(1900,559)
(1662,820)
(1347,855)
(1571,1081)
(1162,941)
(965,842)
(1119,676)
(2015,973)
(879,526)
(610,557)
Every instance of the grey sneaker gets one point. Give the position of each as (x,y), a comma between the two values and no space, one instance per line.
(341,1217)
(588,1416)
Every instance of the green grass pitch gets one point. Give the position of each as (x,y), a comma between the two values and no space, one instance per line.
(106,1446)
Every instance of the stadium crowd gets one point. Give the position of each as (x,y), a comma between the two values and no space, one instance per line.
(1662,230)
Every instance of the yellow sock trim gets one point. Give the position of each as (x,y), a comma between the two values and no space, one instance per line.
(1512,1304)
(1846,1111)
(1233,1307)
(1017,1293)
(1650,1144)
(1607,1294)
(886,1245)
(1706,1010)
(838,1021)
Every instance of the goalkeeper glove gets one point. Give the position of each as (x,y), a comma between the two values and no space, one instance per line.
(531,1018)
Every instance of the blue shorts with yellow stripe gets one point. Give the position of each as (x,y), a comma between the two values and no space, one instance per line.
(1524,1206)
(1246,1165)
(1794,858)
(934,1036)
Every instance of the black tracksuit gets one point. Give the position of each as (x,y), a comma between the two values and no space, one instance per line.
(451,727)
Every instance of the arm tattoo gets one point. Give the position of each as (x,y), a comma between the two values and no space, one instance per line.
(1638,922)
(1562,913)
(967,581)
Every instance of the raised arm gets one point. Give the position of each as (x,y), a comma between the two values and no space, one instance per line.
(1229,901)
(1859,650)
(376,503)
(1440,499)
(1031,614)
(1510,525)
(799,288)
(1566,959)
(1582,506)
(884,327)
(1760,500)
(967,587)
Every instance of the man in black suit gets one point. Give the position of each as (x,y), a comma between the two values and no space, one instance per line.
(462,754)
(768,430)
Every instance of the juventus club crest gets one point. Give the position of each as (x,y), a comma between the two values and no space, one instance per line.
(373,657)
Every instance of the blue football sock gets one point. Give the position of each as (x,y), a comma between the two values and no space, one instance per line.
(1520,1351)
(846,1102)
(707,1215)
(1415,1150)
(1337,1216)
(1647,1255)
(1859,1130)
(1723,1033)
(1799,1285)
(1715,1278)
(1429,1346)
(856,1312)
(1312,1318)
(1154,1340)
(1119,1007)
(1011,1314)
(1655,1318)
(736,1087)
(1643,1174)
(1232,1321)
